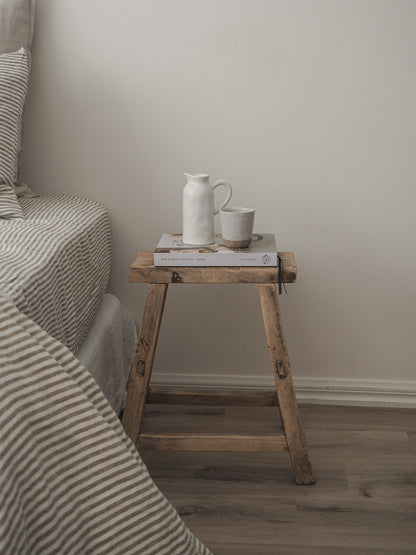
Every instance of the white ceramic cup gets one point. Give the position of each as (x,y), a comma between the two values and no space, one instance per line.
(237,226)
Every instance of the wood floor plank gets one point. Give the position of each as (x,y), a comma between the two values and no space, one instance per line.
(314,523)
(257,474)
(169,418)
(358,418)
(362,449)
(412,436)
(252,419)
(212,397)
(363,501)
(263,549)
(377,487)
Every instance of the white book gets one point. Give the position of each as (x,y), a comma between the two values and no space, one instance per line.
(172,251)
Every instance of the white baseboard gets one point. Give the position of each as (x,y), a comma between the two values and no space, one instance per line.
(356,392)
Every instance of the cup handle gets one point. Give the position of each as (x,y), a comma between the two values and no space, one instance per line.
(229,193)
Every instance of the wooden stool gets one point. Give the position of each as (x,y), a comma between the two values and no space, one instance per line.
(292,438)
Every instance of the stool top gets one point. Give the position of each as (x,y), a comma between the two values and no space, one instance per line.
(143,271)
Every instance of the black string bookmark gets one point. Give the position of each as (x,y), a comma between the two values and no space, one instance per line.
(280,276)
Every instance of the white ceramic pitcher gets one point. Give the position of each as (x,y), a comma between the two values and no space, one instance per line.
(198,208)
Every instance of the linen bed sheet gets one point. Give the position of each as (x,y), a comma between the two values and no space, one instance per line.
(71,481)
(107,351)
(55,263)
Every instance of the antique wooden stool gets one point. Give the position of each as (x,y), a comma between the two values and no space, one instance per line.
(292,437)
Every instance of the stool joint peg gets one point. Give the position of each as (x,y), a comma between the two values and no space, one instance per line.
(280,369)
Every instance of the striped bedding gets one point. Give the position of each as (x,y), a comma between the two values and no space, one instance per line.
(14,74)
(55,263)
(70,480)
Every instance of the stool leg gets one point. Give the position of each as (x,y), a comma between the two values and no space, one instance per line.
(286,396)
(141,369)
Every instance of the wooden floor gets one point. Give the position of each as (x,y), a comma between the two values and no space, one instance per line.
(363,502)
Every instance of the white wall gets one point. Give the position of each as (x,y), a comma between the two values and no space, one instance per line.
(306,107)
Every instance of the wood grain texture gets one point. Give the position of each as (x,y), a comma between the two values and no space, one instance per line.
(364,499)
(211,442)
(263,549)
(212,397)
(285,390)
(143,271)
(143,361)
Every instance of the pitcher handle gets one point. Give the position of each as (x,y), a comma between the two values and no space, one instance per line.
(229,193)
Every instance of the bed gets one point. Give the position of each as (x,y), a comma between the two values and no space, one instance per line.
(55,265)
(71,481)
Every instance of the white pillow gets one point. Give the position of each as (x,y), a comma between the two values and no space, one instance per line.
(14,74)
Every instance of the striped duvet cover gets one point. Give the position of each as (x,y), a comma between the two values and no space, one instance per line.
(55,263)
(70,480)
